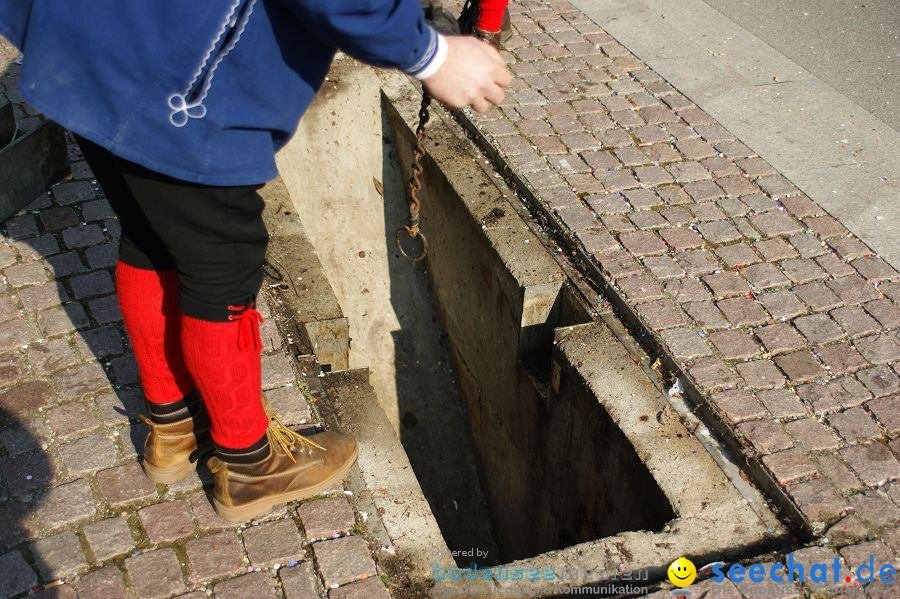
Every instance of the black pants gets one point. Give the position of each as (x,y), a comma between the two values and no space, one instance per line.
(213,236)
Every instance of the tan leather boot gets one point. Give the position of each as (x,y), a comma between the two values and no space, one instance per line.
(171,451)
(297,467)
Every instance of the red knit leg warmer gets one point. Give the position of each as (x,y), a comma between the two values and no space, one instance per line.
(224,360)
(149,303)
(490,14)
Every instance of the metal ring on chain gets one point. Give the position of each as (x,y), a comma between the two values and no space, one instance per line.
(398,240)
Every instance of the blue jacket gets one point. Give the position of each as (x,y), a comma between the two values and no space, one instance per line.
(201,90)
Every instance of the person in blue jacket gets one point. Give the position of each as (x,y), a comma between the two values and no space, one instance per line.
(179,107)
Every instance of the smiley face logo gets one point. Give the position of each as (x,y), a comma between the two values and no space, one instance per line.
(682,572)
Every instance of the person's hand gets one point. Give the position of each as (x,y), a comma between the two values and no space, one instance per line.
(474,74)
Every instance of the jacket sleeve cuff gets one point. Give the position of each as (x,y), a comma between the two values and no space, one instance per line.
(434,57)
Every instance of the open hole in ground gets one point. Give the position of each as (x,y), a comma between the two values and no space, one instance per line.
(532,434)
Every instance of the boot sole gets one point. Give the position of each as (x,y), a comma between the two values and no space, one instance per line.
(174,474)
(263,506)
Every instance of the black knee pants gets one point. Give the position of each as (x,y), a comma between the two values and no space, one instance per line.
(213,236)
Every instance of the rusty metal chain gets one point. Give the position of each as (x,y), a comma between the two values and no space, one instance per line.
(411,228)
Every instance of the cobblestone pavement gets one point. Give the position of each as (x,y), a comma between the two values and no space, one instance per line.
(74,502)
(785,322)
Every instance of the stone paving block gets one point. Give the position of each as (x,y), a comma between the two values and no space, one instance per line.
(28,473)
(88,454)
(766,436)
(607,204)
(344,560)
(372,588)
(705,193)
(819,328)
(615,223)
(640,288)
(325,518)
(825,226)
(782,305)
(718,232)
(75,382)
(760,374)
(105,583)
(66,504)
(100,342)
(273,542)
(734,344)
(853,290)
(738,405)
(642,243)
(685,343)
(618,264)
(841,358)
(874,269)
(813,435)
(878,349)
(809,246)
(65,264)
(838,473)
(660,314)
(82,236)
(26,397)
(834,266)
(873,463)
(782,404)
(880,380)
(849,248)
(166,522)
(105,309)
(72,192)
(706,315)
(818,500)
(216,555)
(737,255)
(25,436)
(109,538)
(743,311)
(856,555)
(92,284)
(43,296)
(712,374)
(765,276)
(726,284)
(648,219)
(299,582)
(800,367)
(58,556)
(775,249)
(803,270)
(855,321)
(706,212)
(885,311)
(848,391)
(779,338)
(818,296)
(62,319)
(789,465)
(120,406)
(256,584)
(122,485)
(697,262)
(874,508)
(597,242)
(207,518)
(155,575)
(18,576)
(887,412)
(30,273)
(643,199)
